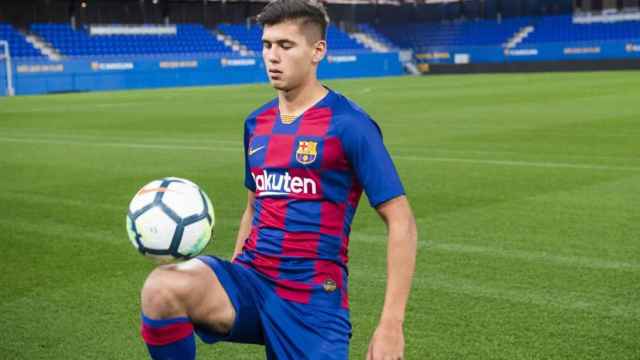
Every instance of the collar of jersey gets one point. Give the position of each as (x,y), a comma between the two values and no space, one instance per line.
(317,104)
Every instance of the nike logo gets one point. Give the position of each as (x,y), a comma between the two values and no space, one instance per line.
(145,191)
(253,151)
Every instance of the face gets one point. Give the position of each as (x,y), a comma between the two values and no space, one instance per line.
(291,56)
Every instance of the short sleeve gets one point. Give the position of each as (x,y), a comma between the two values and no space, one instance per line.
(365,150)
(249,182)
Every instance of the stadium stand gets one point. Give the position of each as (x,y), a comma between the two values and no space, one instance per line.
(17,42)
(553,29)
(463,33)
(339,40)
(547,29)
(248,36)
(375,34)
(189,39)
(251,37)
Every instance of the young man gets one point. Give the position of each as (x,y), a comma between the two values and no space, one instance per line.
(309,154)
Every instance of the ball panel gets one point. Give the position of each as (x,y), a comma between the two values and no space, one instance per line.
(156,229)
(195,238)
(183,199)
(132,234)
(181,180)
(144,196)
(210,211)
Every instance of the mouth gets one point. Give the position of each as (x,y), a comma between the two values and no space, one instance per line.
(275,74)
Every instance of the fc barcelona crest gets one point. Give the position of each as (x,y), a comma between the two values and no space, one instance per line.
(307,152)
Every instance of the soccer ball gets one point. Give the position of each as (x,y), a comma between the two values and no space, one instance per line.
(170,219)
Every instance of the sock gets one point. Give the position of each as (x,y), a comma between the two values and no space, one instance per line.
(169,339)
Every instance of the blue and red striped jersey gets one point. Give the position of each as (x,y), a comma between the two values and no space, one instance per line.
(308,176)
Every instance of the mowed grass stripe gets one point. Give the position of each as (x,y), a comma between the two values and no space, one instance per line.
(519,163)
(517,260)
(202,144)
(236,149)
(543,297)
(540,257)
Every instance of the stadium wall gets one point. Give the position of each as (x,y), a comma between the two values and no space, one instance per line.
(541,66)
(104,74)
(540,53)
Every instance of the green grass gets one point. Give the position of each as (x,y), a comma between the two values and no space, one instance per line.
(526,189)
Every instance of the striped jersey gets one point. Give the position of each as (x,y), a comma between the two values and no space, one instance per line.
(308,175)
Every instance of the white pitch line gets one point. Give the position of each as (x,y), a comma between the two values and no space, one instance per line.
(530,256)
(542,297)
(124,145)
(538,256)
(439,149)
(518,163)
(59,201)
(92,138)
(399,157)
(75,107)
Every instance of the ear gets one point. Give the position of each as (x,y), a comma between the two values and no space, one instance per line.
(319,51)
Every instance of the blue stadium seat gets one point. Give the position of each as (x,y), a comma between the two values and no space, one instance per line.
(18,43)
(462,33)
(553,29)
(190,39)
(251,37)
(376,35)
(548,29)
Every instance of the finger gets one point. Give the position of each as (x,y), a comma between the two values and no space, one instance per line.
(369,352)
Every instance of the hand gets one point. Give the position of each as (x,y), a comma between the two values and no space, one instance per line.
(387,342)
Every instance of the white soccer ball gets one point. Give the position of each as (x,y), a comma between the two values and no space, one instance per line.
(170,219)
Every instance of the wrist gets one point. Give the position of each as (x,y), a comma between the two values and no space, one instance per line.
(391,321)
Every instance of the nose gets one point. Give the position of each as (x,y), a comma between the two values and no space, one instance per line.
(271,54)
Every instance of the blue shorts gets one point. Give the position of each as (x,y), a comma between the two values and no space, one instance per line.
(289,330)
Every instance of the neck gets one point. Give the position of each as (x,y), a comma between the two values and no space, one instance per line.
(298,100)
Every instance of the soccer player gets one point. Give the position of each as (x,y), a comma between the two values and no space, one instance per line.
(309,155)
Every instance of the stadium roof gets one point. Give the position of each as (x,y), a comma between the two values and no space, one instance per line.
(364,2)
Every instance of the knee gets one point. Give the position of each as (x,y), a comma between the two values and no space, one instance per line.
(164,292)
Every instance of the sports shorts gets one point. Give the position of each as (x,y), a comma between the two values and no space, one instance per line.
(287,329)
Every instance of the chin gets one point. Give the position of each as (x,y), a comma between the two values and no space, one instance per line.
(280,86)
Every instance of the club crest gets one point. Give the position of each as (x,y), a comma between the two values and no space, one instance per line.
(307,152)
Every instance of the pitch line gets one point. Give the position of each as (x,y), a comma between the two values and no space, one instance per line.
(123,145)
(540,297)
(398,157)
(518,163)
(530,256)
(75,107)
(588,302)
(91,138)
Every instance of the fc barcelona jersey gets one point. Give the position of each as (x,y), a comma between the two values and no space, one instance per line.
(308,175)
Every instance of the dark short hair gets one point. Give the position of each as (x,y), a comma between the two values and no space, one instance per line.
(309,12)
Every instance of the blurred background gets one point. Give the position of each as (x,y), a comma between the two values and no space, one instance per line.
(79,45)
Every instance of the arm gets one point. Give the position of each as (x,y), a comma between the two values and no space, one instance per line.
(245,224)
(388,339)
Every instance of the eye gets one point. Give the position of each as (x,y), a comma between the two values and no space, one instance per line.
(286,45)
(266,45)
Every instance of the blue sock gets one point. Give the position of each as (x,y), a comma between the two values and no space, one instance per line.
(169,339)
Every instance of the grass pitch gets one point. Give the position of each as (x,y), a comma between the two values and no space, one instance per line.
(526,189)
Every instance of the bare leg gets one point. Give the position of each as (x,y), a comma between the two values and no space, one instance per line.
(188,289)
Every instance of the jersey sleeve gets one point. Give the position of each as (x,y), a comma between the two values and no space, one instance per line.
(249,182)
(365,150)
